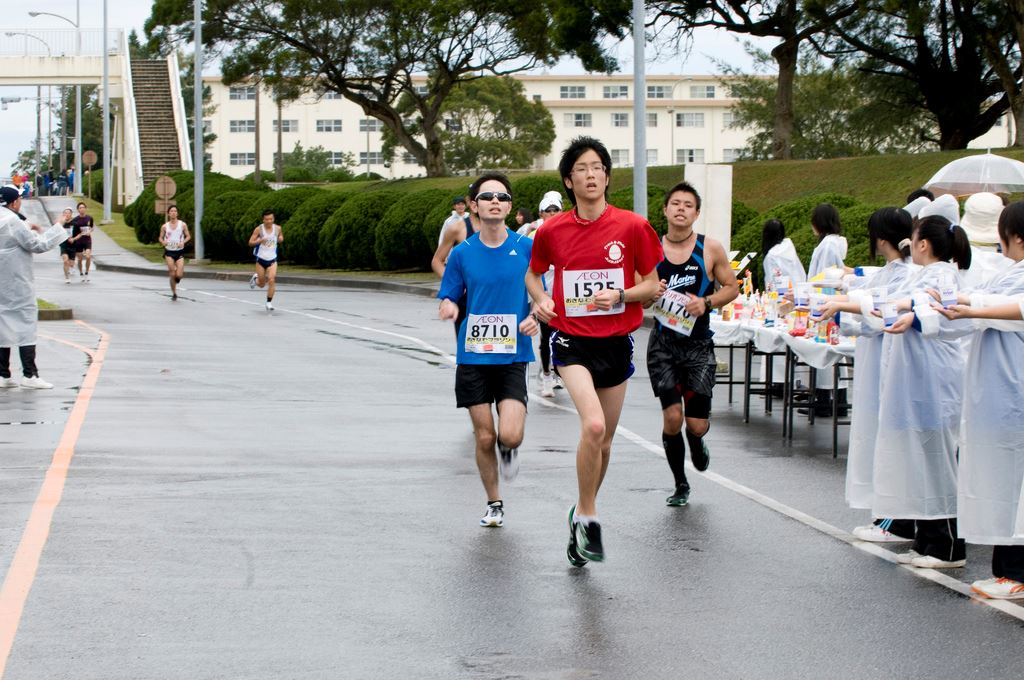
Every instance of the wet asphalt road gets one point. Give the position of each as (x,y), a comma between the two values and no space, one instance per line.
(294,495)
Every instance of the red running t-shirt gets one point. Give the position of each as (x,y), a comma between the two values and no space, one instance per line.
(591,256)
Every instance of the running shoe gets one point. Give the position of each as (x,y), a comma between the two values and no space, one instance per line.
(508,462)
(270,307)
(174,296)
(680,498)
(999,588)
(588,541)
(8,382)
(559,385)
(67,280)
(495,515)
(252,280)
(872,533)
(35,383)
(547,385)
(907,557)
(702,458)
(929,562)
(572,551)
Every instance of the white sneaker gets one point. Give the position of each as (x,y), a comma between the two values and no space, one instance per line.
(35,383)
(547,385)
(508,462)
(559,385)
(907,557)
(252,280)
(270,307)
(999,588)
(872,533)
(929,562)
(8,382)
(67,280)
(495,515)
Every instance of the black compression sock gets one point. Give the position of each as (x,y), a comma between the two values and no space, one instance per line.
(675,453)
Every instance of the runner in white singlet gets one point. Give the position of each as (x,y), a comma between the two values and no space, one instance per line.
(174,235)
(265,239)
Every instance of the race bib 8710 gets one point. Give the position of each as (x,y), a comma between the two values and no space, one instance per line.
(670,311)
(491,333)
(579,286)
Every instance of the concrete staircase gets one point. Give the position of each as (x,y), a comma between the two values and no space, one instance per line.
(158,137)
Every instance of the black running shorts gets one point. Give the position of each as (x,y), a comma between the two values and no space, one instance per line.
(609,360)
(489,383)
(682,370)
(174,254)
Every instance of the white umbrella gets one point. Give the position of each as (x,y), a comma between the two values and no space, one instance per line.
(984,172)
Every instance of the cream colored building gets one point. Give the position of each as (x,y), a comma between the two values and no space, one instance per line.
(688,120)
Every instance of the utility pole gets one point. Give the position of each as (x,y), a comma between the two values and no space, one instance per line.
(639,112)
(108,172)
(198,161)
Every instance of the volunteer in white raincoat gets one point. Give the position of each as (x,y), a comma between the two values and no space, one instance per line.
(832,247)
(781,263)
(18,307)
(915,467)
(889,231)
(991,437)
(980,222)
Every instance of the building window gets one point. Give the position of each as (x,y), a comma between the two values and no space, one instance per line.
(242,92)
(652,120)
(287,125)
(732,155)
(248,158)
(373,158)
(330,125)
(370,125)
(332,95)
(620,120)
(620,157)
(616,91)
(728,118)
(689,156)
(421,90)
(409,159)
(999,122)
(702,91)
(537,98)
(572,92)
(452,125)
(242,126)
(694,120)
(207,126)
(338,158)
(578,120)
(652,157)
(659,91)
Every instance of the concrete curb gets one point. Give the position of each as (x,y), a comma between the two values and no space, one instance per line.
(429,290)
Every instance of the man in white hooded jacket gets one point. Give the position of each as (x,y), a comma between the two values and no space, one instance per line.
(18,307)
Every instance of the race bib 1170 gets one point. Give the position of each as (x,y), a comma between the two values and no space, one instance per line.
(670,311)
(491,333)
(579,286)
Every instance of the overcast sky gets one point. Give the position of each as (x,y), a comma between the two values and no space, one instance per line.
(18,124)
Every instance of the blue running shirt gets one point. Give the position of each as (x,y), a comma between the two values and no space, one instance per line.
(493,282)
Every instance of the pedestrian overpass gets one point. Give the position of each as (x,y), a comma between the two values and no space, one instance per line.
(149,135)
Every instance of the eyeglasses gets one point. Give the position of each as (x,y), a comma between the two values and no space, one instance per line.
(491,195)
(595,168)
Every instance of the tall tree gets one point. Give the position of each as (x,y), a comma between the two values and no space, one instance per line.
(785,20)
(1004,50)
(489,123)
(936,46)
(368,51)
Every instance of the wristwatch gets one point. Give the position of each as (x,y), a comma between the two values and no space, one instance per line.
(707,303)
(622,296)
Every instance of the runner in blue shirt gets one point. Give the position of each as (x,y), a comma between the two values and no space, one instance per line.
(494,348)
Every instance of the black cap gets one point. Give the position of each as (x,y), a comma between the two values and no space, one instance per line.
(458,199)
(8,195)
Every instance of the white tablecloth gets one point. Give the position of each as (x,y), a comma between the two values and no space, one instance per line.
(817,354)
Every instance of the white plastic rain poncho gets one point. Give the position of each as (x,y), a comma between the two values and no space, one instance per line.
(830,252)
(18,307)
(915,470)
(782,260)
(860,460)
(991,435)
(985,264)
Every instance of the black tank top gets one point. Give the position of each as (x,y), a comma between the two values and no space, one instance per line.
(691,277)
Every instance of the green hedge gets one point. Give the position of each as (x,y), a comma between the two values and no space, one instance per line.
(96,193)
(303,237)
(347,239)
(141,213)
(283,202)
(527,192)
(796,217)
(404,238)
(219,218)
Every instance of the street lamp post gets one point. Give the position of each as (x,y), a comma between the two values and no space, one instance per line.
(108,174)
(77,23)
(39,105)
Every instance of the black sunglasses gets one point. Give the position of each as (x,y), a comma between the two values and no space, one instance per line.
(491,195)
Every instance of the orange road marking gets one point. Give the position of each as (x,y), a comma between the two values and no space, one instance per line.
(25,564)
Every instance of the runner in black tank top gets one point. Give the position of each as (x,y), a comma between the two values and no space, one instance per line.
(680,353)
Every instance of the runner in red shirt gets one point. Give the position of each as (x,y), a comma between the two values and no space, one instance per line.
(598,253)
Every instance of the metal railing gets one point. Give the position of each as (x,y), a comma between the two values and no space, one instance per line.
(180,118)
(131,127)
(62,42)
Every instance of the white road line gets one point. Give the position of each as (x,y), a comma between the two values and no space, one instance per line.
(1007,607)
